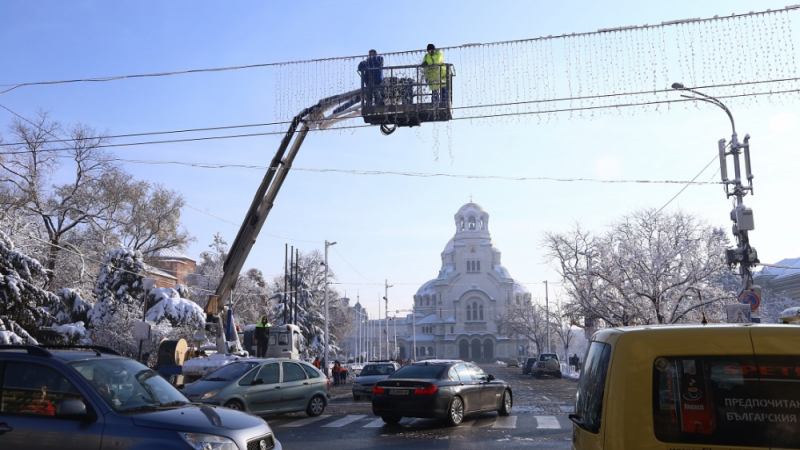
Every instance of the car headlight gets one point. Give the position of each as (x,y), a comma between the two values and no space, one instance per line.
(200,441)
(209,394)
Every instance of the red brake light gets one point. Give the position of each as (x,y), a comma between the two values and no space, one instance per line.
(427,390)
(378,390)
(329,384)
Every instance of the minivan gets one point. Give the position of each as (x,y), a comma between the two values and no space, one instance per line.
(706,387)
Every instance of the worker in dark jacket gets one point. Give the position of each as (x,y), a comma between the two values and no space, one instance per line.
(371,70)
(262,336)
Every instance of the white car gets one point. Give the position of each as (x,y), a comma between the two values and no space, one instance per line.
(371,374)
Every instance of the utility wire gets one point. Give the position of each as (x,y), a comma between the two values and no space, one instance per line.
(477,106)
(344,58)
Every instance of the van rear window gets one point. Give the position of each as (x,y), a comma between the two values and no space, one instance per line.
(727,400)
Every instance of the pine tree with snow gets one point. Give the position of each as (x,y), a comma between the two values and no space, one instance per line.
(119,293)
(25,307)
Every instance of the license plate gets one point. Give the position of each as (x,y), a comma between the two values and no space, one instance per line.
(398,392)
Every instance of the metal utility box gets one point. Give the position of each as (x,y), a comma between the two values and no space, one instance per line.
(744,219)
(407,95)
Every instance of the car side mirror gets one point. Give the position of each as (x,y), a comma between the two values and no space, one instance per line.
(257,381)
(491,377)
(71,408)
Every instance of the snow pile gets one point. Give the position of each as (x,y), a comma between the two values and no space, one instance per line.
(74,332)
(13,334)
(501,363)
(175,310)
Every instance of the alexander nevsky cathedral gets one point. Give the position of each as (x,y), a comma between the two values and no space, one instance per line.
(457,312)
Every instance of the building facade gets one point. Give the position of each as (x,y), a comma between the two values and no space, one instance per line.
(456,314)
(169,267)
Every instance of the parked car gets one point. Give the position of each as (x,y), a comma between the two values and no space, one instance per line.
(449,389)
(527,365)
(715,386)
(91,397)
(264,386)
(547,364)
(371,374)
(513,362)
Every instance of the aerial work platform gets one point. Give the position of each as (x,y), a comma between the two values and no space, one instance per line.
(407,95)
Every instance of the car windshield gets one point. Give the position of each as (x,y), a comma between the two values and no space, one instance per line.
(230,372)
(376,370)
(419,372)
(125,385)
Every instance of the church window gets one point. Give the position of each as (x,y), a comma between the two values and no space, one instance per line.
(462,225)
(483,225)
(469,312)
(478,266)
(427,302)
(472,224)
(474,310)
(452,330)
(480,316)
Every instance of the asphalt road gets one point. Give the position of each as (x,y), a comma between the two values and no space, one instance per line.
(538,420)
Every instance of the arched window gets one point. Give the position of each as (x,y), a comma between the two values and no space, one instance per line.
(472,224)
(477,266)
(469,312)
(474,310)
(427,302)
(480,316)
(483,225)
(430,351)
(462,225)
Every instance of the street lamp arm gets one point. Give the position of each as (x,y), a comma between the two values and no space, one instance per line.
(707,99)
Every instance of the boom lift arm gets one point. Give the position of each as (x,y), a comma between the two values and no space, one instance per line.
(325,113)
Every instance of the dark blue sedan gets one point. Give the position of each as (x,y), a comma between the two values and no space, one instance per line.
(449,389)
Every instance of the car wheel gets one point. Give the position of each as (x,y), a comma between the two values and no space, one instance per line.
(505,408)
(455,414)
(391,420)
(315,406)
(234,404)
(558,374)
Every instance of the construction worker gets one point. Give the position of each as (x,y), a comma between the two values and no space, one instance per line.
(371,70)
(262,336)
(436,76)
(317,363)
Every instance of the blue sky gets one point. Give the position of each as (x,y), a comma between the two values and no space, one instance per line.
(387,226)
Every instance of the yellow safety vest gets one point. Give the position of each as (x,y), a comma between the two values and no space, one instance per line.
(436,76)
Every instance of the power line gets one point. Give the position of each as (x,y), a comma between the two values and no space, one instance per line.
(477,106)
(261,234)
(263,65)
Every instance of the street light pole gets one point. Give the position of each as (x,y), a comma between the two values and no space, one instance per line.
(386,299)
(327,338)
(744,255)
(547,314)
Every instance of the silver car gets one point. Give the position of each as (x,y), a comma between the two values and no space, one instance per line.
(371,374)
(264,386)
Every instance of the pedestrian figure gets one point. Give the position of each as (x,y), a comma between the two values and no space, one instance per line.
(262,337)
(317,362)
(371,70)
(337,367)
(435,73)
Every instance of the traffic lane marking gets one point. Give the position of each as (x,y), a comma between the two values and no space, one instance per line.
(505,422)
(303,422)
(344,421)
(547,422)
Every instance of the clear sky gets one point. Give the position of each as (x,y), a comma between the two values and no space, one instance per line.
(387,226)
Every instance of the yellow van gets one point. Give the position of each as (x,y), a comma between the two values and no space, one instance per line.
(690,387)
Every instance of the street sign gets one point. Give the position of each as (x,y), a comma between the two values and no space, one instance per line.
(750,298)
(738,313)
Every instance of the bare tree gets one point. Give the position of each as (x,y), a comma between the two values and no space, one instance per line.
(28,169)
(525,319)
(647,268)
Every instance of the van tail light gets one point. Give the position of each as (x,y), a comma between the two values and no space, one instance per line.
(427,390)
(378,390)
(329,384)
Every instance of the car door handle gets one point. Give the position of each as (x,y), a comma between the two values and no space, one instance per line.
(4,427)
(306,383)
(277,387)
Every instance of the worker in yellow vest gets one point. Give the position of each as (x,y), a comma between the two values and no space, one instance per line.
(435,74)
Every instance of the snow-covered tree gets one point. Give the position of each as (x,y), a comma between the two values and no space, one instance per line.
(648,268)
(25,307)
(308,287)
(169,307)
(773,304)
(119,293)
(208,273)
